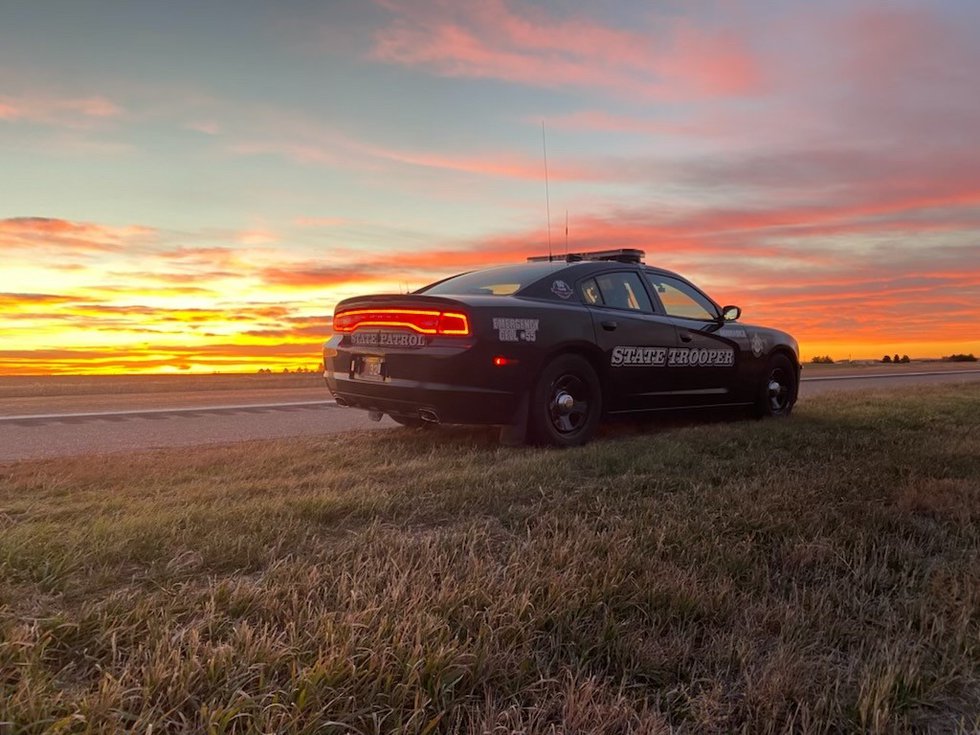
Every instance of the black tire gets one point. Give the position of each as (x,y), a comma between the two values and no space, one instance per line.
(566,403)
(411,422)
(779,387)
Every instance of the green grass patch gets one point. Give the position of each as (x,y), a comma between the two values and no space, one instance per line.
(820,574)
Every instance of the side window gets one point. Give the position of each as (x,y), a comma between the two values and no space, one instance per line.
(679,299)
(590,292)
(623,291)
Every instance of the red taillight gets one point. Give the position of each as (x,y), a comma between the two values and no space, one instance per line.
(452,323)
(418,320)
(501,361)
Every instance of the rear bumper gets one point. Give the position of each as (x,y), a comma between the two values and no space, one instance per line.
(451,404)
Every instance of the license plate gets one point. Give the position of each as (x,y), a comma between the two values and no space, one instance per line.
(371,368)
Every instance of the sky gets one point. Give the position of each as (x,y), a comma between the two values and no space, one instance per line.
(190,186)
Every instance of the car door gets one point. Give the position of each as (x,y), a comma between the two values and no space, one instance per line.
(635,340)
(706,357)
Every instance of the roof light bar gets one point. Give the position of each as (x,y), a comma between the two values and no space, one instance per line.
(621,255)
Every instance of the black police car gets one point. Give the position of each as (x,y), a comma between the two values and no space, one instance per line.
(546,348)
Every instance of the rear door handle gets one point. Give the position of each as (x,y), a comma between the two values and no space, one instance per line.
(609,326)
(686,336)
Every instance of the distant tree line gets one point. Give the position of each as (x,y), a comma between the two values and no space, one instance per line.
(822,360)
(896,358)
(294,371)
(960,358)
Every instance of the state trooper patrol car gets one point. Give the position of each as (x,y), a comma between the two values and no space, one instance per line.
(545,349)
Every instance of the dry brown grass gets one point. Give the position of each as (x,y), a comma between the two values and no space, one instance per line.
(820,574)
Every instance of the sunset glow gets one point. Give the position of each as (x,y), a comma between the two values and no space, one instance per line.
(192,187)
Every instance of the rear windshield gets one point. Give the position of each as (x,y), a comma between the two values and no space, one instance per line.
(502,281)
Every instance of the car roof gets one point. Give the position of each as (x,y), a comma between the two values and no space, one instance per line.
(584,268)
(530,274)
(540,269)
(537,275)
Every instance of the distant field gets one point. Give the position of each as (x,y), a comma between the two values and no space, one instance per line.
(24,386)
(886,368)
(820,574)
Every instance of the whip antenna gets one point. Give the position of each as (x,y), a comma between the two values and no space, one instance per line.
(566,234)
(547,194)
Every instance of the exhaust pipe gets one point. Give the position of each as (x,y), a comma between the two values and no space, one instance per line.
(341,402)
(428,415)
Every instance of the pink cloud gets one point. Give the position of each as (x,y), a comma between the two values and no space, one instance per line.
(76,112)
(208,127)
(502,164)
(892,48)
(716,63)
(604,121)
(256,236)
(493,40)
(309,146)
(305,153)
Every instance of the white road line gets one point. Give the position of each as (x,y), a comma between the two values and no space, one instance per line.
(888,375)
(150,411)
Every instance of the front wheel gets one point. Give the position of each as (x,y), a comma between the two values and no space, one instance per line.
(778,391)
(566,403)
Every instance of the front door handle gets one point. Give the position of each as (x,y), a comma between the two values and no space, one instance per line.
(609,326)
(686,336)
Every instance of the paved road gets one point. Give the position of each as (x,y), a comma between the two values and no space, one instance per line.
(60,433)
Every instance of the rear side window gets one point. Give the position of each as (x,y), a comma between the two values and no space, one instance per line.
(502,281)
(590,292)
(621,290)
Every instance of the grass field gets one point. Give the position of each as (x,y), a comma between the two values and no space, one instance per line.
(820,574)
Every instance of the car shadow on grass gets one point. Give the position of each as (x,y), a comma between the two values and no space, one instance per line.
(612,428)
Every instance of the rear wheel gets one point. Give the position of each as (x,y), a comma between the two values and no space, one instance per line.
(566,402)
(777,394)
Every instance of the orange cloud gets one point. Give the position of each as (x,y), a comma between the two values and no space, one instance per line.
(19,300)
(31,233)
(841,248)
(313,275)
(221,357)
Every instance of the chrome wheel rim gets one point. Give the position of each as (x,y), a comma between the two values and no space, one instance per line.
(779,390)
(568,407)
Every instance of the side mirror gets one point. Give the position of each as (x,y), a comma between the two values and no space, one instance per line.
(730,313)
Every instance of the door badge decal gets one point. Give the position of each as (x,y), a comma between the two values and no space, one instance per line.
(561,289)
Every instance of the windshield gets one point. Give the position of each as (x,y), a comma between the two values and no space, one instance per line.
(503,281)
